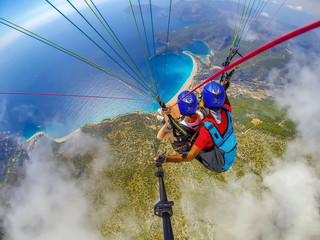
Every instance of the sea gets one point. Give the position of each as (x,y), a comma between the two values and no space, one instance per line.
(30,66)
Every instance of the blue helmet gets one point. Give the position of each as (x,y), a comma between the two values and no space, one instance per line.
(188,105)
(214,95)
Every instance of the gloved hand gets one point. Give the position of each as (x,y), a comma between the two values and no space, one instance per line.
(161,159)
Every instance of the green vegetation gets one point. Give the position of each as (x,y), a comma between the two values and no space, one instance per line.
(133,143)
(260,142)
(130,173)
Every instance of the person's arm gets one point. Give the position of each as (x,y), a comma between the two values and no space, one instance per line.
(163,133)
(183,157)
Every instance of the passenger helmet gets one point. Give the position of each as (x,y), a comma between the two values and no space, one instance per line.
(214,95)
(187,105)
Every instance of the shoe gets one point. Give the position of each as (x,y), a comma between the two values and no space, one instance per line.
(161,119)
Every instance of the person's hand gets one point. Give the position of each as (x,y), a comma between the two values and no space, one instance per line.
(167,110)
(161,159)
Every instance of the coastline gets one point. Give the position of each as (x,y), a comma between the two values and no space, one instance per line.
(62,139)
(186,86)
(175,110)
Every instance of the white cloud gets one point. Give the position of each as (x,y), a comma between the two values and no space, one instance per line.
(79,143)
(302,99)
(284,204)
(310,6)
(294,7)
(51,204)
(251,36)
(264,14)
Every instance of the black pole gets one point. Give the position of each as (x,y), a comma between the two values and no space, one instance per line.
(163,208)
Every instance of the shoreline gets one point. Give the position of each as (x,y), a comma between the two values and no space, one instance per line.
(186,86)
(189,81)
(175,110)
(62,139)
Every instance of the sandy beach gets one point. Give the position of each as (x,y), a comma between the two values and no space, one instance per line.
(73,134)
(186,86)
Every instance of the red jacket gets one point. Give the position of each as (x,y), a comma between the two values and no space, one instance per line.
(204,140)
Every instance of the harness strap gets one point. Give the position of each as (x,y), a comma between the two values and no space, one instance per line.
(217,138)
(186,145)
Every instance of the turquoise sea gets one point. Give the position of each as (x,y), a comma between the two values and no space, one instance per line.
(31,66)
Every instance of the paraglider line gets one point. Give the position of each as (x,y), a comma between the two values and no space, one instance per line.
(256,52)
(145,34)
(74,95)
(117,41)
(167,43)
(254,19)
(266,26)
(107,43)
(114,60)
(154,43)
(50,43)
(143,49)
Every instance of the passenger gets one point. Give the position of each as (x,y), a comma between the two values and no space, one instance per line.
(190,122)
(216,145)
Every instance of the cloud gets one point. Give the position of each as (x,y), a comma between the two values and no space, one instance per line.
(240,210)
(285,203)
(50,203)
(264,14)
(251,36)
(310,6)
(80,143)
(293,7)
(301,98)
